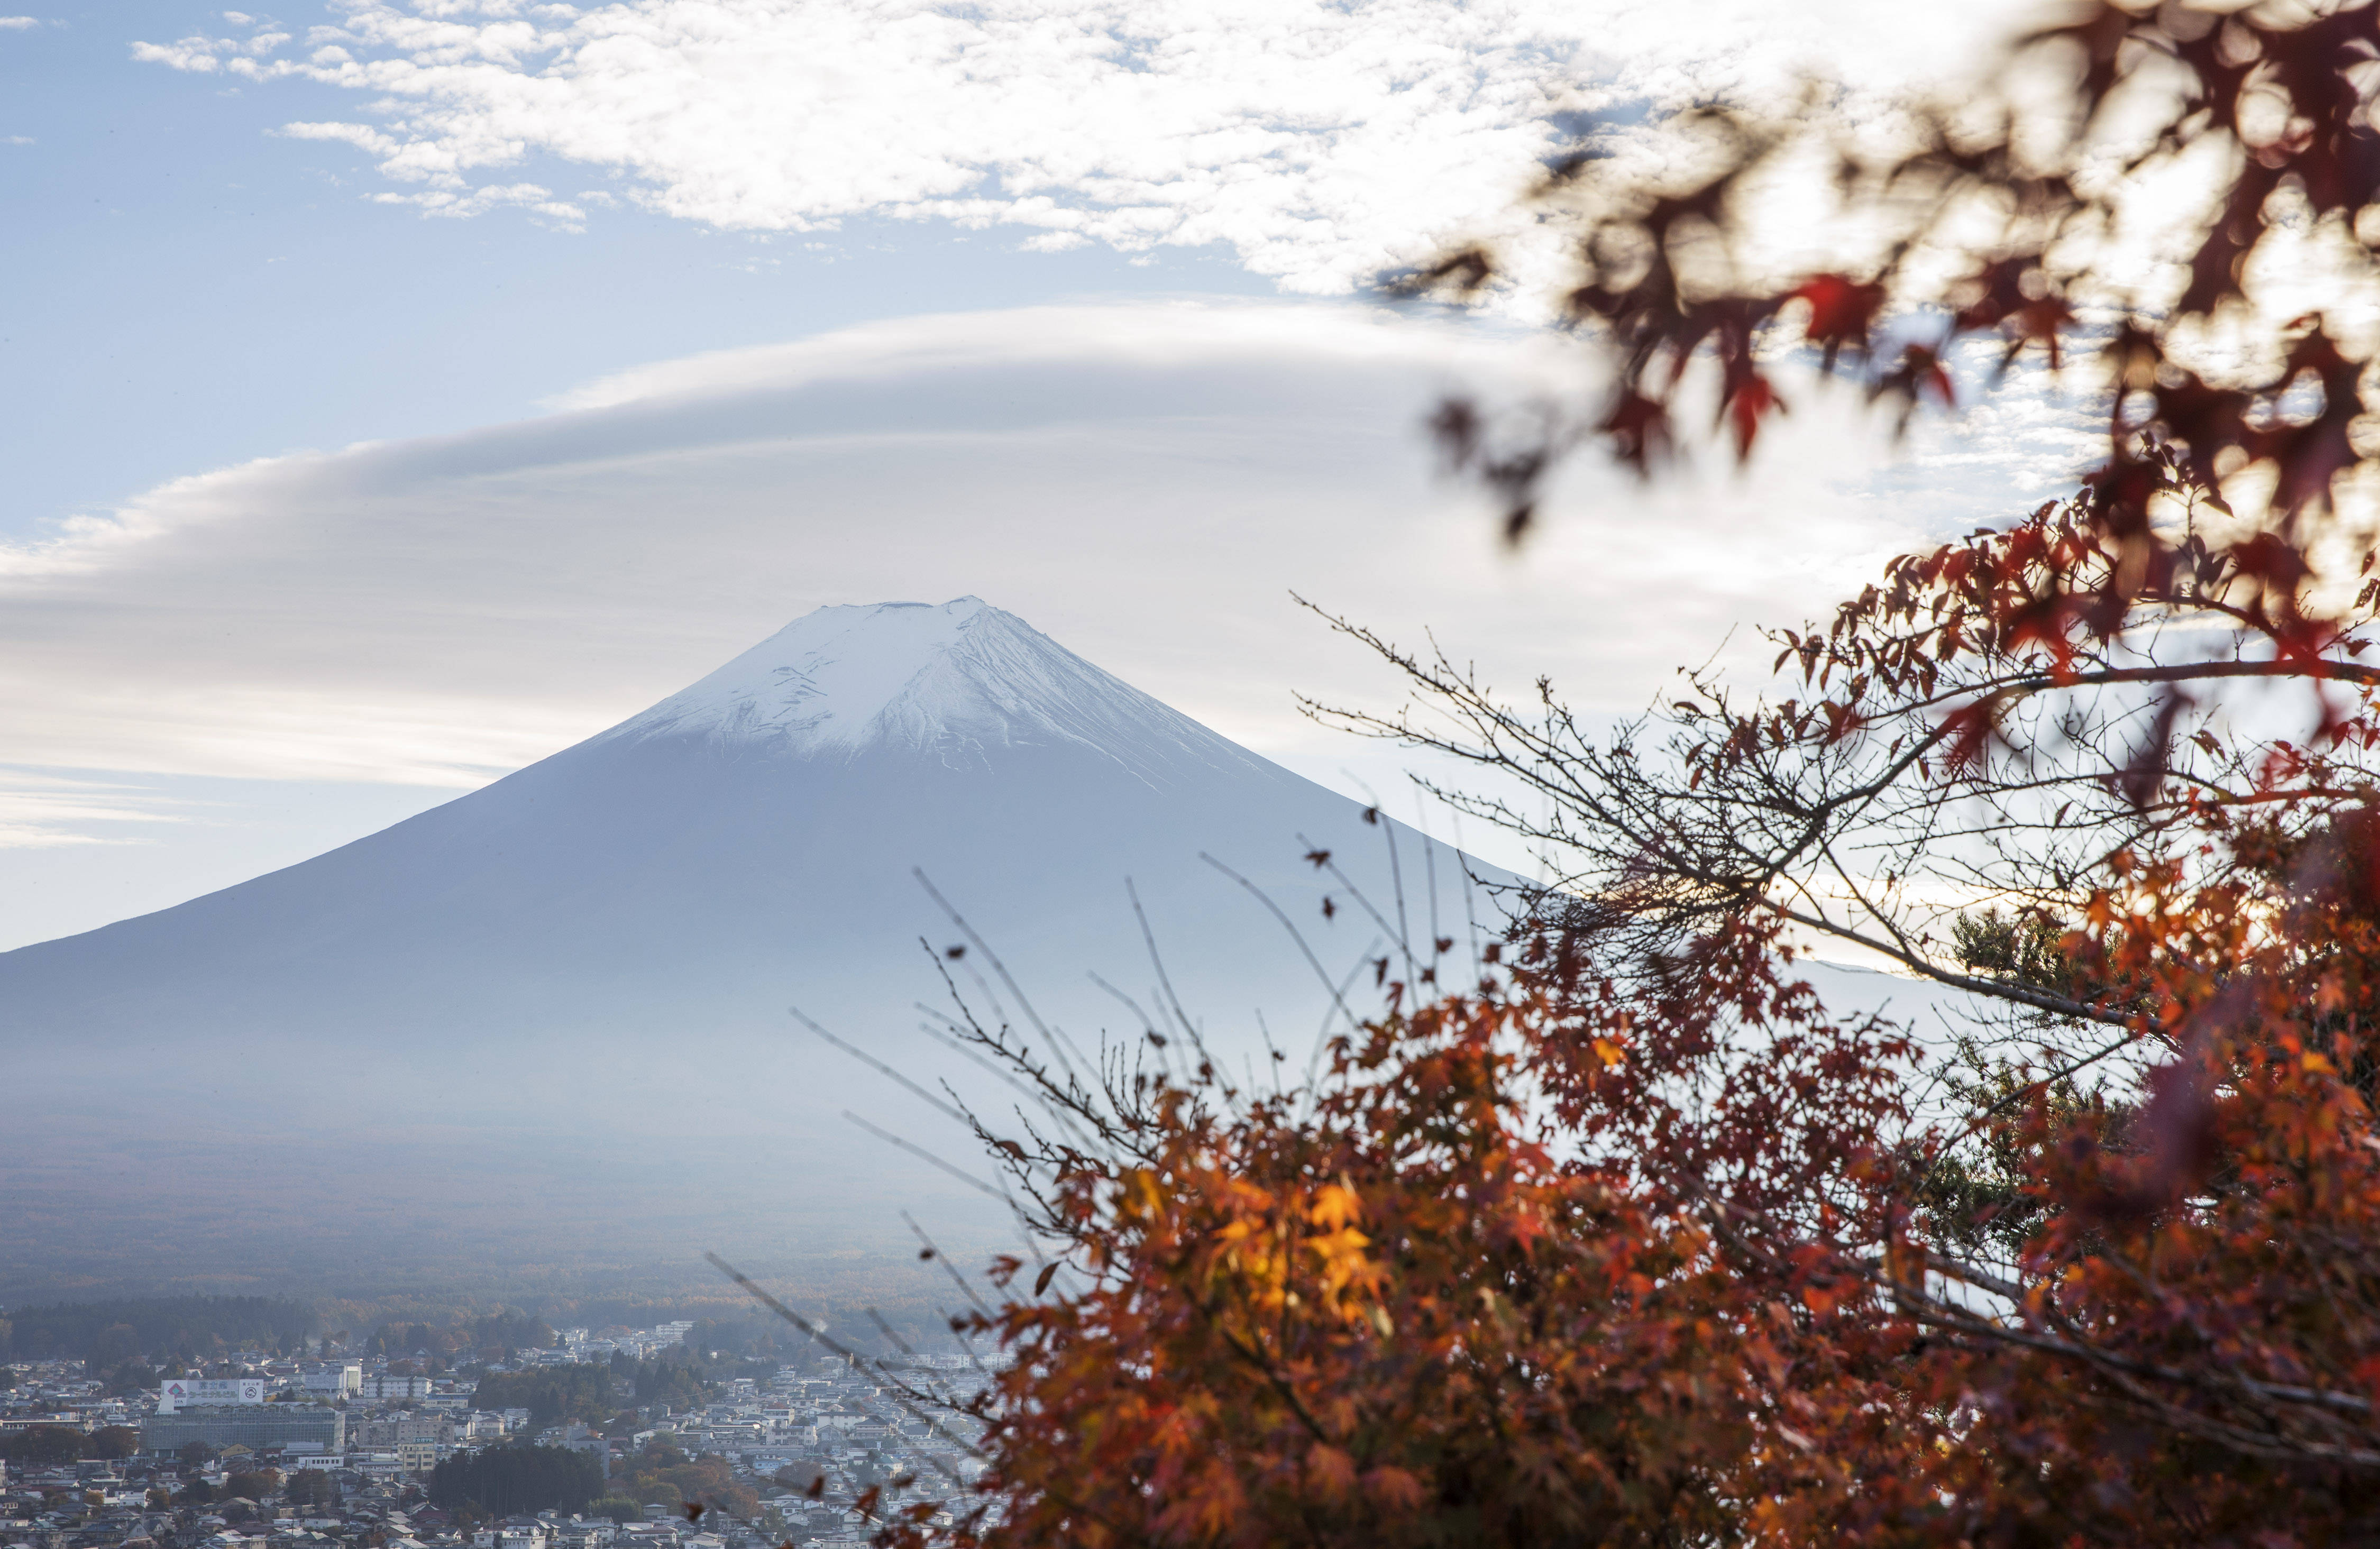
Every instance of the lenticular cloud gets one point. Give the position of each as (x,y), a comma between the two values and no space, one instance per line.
(1320,140)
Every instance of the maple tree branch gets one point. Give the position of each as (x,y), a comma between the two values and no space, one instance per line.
(1273,1379)
(903,1391)
(2322,671)
(2024,1093)
(1999,989)
(1934,1313)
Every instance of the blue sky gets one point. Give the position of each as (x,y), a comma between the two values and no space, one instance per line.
(190,288)
(668,320)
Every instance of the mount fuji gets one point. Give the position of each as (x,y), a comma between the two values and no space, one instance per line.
(544,1026)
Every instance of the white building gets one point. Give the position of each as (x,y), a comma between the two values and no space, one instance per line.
(333,1382)
(385,1386)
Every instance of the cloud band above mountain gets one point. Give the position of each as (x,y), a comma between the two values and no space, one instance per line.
(1148,483)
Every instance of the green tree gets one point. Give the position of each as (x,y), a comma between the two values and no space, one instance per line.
(184,1324)
(255,1485)
(196,1492)
(112,1346)
(551,1394)
(42,1444)
(131,1378)
(505,1479)
(310,1487)
(510,1330)
(665,1473)
(112,1442)
(672,1381)
(196,1455)
(619,1508)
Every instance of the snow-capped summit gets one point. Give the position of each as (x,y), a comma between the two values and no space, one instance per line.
(829,679)
(958,682)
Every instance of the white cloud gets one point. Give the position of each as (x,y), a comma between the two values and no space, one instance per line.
(1318,139)
(480,200)
(1146,483)
(18,23)
(42,811)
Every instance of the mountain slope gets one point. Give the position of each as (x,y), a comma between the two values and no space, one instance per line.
(561,999)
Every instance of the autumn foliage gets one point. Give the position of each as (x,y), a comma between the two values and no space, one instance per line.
(1560,1260)
(1403,1317)
(1629,1240)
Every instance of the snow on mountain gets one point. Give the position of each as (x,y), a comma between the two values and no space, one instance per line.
(552,1012)
(955,681)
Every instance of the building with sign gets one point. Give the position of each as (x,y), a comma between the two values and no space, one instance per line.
(181,1393)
